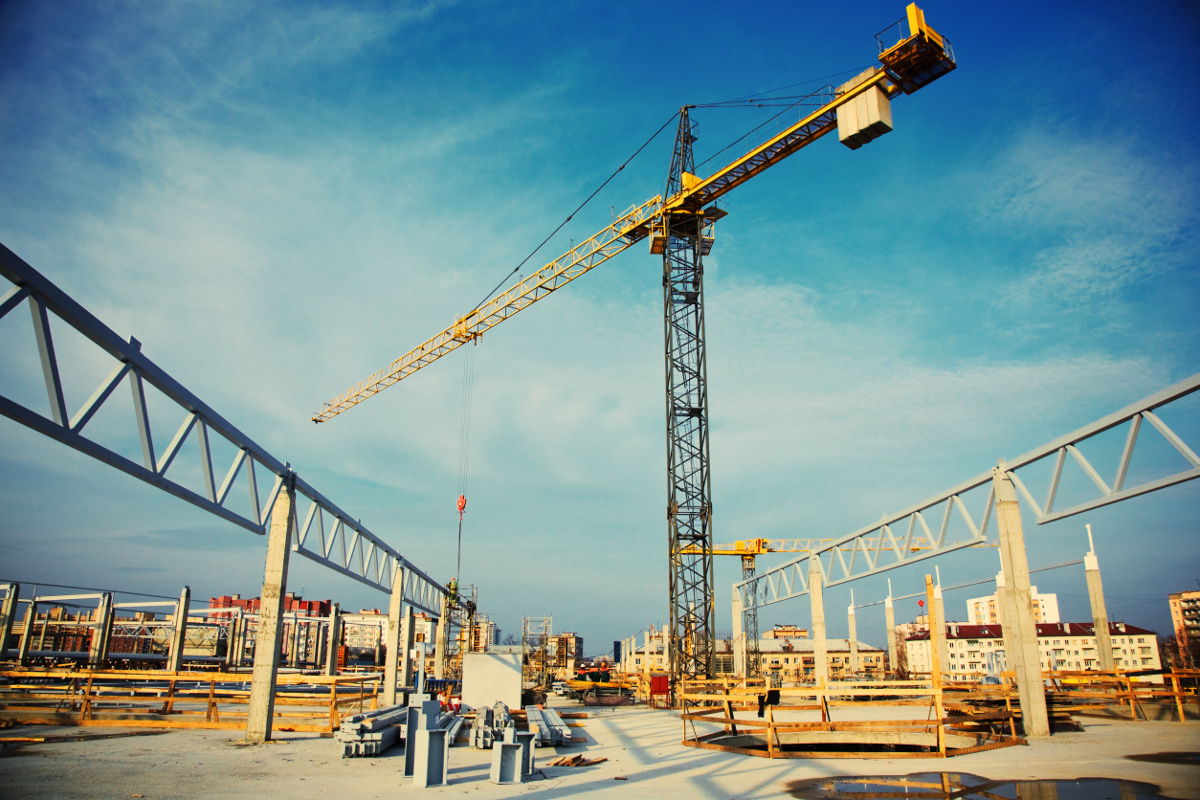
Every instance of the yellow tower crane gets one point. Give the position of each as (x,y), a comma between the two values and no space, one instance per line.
(680,228)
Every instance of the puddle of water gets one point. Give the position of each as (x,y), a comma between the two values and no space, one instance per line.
(964,786)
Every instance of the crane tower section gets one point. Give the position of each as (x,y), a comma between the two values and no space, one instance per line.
(684,237)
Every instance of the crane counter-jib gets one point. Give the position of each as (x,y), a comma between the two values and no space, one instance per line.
(857,109)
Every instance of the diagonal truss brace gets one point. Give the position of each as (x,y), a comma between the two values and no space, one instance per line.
(329,535)
(878,548)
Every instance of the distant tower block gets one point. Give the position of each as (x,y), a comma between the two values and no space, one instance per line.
(866,117)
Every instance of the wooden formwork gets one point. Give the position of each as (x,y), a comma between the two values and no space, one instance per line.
(158,699)
(937,736)
(1093,690)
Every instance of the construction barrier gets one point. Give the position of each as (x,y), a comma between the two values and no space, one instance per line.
(157,699)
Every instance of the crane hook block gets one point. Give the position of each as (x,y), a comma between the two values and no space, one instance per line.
(462,503)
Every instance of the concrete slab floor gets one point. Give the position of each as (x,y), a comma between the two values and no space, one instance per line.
(641,746)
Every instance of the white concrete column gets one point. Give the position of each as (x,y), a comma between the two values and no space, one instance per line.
(739,636)
(392,637)
(101,628)
(243,635)
(267,639)
(333,641)
(8,614)
(408,635)
(27,633)
(231,640)
(1091,567)
(889,616)
(1020,631)
(852,639)
(440,646)
(937,617)
(820,645)
(175,655)
(292,632)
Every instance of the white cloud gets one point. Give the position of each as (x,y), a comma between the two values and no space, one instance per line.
(1105,213)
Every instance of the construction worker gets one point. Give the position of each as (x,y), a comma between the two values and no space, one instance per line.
(453,587)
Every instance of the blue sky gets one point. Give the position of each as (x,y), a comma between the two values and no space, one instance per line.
(279,198)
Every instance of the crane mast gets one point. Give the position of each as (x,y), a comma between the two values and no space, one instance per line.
(685,237)
(680,229)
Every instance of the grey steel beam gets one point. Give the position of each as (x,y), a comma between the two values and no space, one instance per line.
(329,535)
(859,554)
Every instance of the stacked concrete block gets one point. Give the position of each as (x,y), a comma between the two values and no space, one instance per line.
(866,117)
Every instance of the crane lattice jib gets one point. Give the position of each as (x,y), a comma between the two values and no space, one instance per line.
(919,57)
(627,230)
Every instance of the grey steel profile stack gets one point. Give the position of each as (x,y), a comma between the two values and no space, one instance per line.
(547,726)
(371,733)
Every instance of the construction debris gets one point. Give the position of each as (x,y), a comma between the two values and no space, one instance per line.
(576,760)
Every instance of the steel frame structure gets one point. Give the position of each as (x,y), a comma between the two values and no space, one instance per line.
(689,480)
(857,555)
(537,636)
(327,535)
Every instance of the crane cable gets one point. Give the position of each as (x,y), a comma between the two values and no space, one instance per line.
(464,446)
(570,216)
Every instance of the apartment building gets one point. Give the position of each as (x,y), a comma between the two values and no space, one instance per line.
(1185,616)
(977,650)
(986,611)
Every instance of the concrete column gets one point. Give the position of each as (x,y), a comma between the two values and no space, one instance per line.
(267,639)
(1020,630)
(853,636)
(231,640)
(333,640)
(820,645)
(408,637)
(937,618)
(101,628)
(646,657)
(392,637)
(175,656)
(935,669)
(243,636)
(41,645)
(27,633)
(1091,567)
(443,634)
(293,640)
(1004,612)
(739,636)
(889,615)
(8,614)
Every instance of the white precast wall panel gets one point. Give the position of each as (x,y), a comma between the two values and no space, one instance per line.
(868,116)
(488,677)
